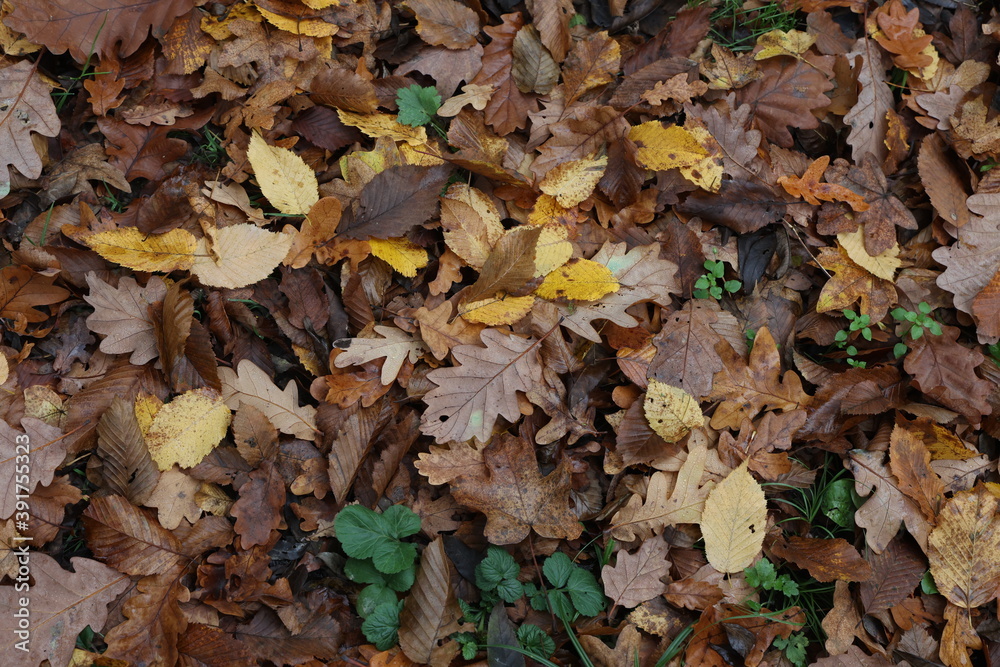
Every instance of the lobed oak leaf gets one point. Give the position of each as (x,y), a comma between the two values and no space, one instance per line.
(27,107)
(395,347)
(47,448)
(21,289)
(635,578)
(901,35)
(470,396)
(780,43)
(174,499)
(441,465)
(885,510)
(809,188)
(258,510)
(666,504)
(734,521)
(441,335)
(747,387)
(944,370)
(251,385)
(515,497)
(154,622)
(62,604)
(121,315)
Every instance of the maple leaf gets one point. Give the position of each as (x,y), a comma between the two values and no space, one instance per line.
(27,107)
(514,496)
(785,94)
(469,397)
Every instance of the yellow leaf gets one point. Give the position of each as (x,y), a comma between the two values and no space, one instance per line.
(471,224)
(662,148)
(964,549)
(781,43)
(244,254)
(578,280)
(146,407)
(671,411)
(706,173)
(553,249)
(883,265)
(186,429)
(945,446)
(401,254)
(42,403)
(419,155)
(734,521)
(547,210)
(145,252)
(313,27)
(4,368)
(384,125)
(572,182)
(284,178)
(497,311)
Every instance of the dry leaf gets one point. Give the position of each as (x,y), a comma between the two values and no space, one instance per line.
(734,521)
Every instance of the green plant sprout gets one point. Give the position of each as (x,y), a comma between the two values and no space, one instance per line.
(794,647)
(737,26)
(857,323)
(919,322)
(417,107)
(707,286)
(380,559)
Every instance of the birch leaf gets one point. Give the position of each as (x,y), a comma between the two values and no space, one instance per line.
(284,178)
(734,521)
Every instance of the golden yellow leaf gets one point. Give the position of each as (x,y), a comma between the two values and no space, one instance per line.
(284,178)
(313,27)
(146,407)
(187,428)
(578,280)
(552,250)
(497,311)
(546,210)
(781,43)
(213,499)
(471,224)
(243,255)
(384,125)
(401,254)
(419,155)
(734,521)
(4,368)
(946,446)
(706,173)
(145,252)
(964,549)
(572,182)
(218,26)
(671,411)
(662,148)
(883,265)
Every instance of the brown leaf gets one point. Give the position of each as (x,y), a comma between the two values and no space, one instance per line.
(841,623)
(128,470)
(636,577)
(342,88)
(885,211)
(154,622)
(62,604)
(130,539)
(685,348)
(122,315)
(255,435)
(393,202)
(431,613)
(895,573)
(137,151)
(944,370)
(445,23)
(258,510)
(882,514)
(205,645)
(785,95)
(508,108)
(944,183)
(470,396)
(824,559)
(515,497)
(552,21)
(45,445)
(509,266)
(964,549)
(21,290)
(27,108)
(909,460)
(742,205)
(867,117)
(350,442)
(626,651)
(692,594)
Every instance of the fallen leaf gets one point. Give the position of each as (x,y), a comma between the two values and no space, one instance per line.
(635,578)
(734,521)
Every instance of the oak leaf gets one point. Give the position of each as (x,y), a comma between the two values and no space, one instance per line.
(515,497)
(734,521)
(944,370)
(62,604)
(471,395)
(747,387)
(809,188)
(868,117)
(785,95)
(258,510)
(21,289)
(395,347)
(121,315)
(174,499)
(250,385)
(885,510)
(27,107)
(686,353)
(154,622)
(45,445)
(635,578)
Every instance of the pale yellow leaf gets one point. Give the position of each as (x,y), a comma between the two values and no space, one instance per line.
(964,549)
(43,403)
(578,280)
(661,148)
(476,95)
(312,27)
(284,178)
(781,43)
(572,182)
(145,252)
(146,406)
(4,368)
(671,411)
(384,125)
(471,224)
(244,254)
(174,498)
(187,428)
(552,250)
(401,254)
(497,311)
(883,265)
(734,521)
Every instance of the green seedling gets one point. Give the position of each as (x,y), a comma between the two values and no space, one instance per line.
(417,107)
(919,321)
(708,285)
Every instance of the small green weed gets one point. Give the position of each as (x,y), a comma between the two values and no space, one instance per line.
(211,150)
(379,558)
(857,323)
(418,105)
(764,575)
(737,27)
(708,286)
(794,647)
(919,322)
